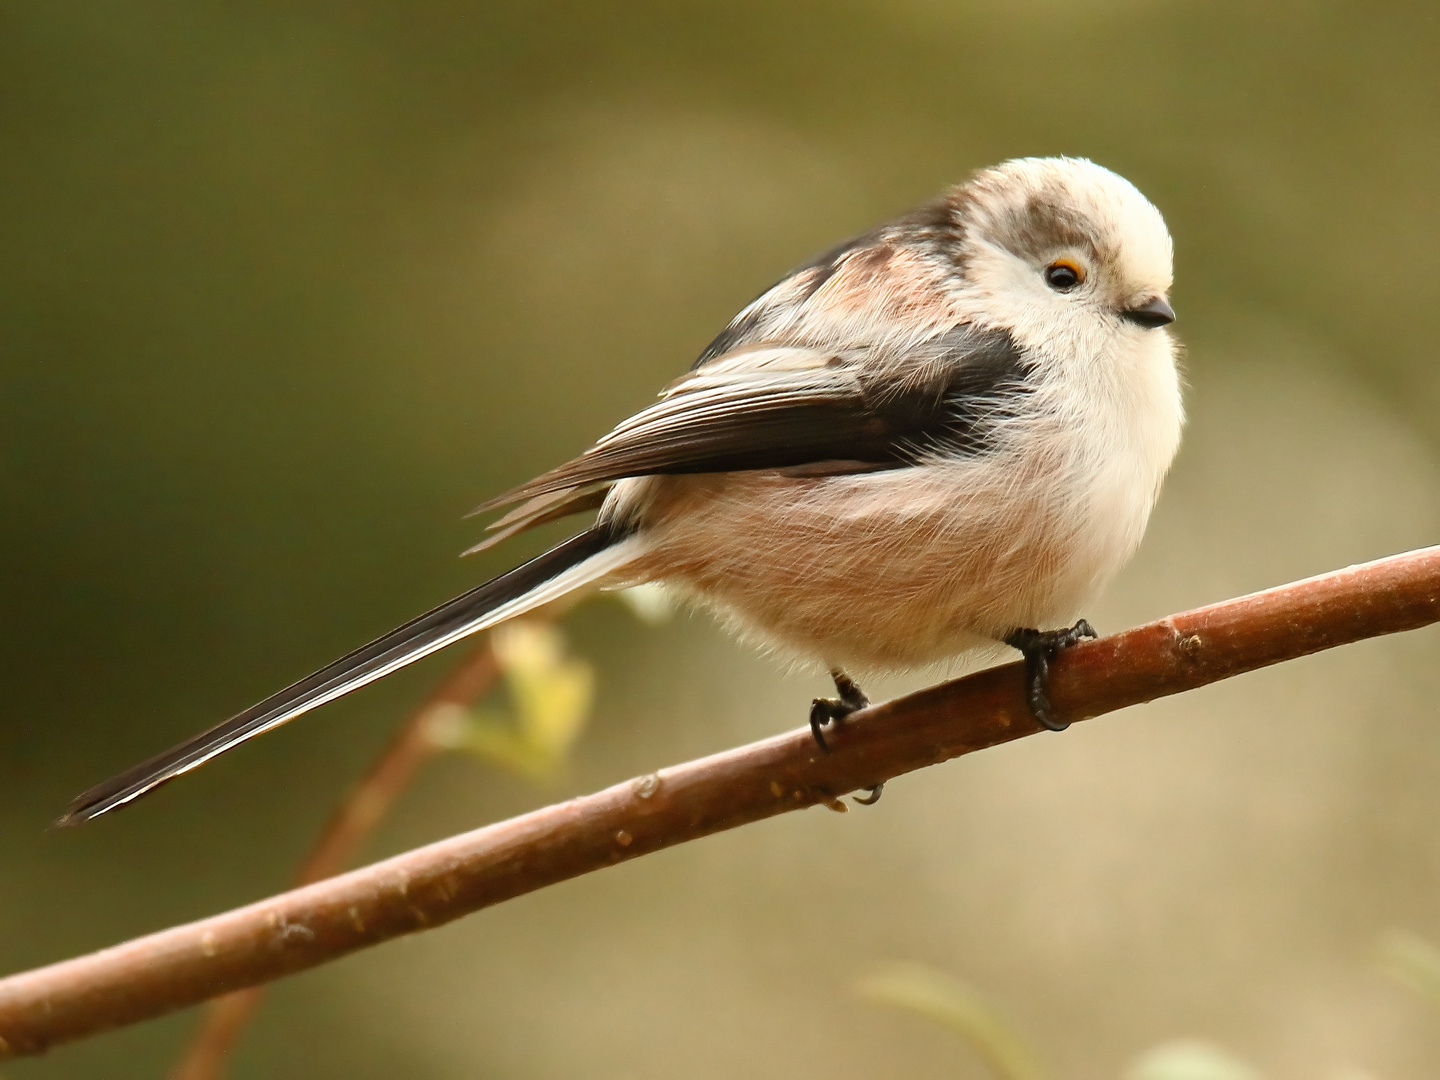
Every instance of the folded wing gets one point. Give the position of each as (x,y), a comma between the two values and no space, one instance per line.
(789,407)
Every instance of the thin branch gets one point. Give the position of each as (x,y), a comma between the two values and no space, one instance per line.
(352,823)
(434,884)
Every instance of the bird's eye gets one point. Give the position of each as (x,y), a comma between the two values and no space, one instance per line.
(1062,275)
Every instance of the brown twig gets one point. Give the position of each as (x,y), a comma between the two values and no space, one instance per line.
(368,802)
(434,884)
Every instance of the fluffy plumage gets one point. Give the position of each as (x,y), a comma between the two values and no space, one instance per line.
(951,427)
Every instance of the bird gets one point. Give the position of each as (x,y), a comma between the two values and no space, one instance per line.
(941,437)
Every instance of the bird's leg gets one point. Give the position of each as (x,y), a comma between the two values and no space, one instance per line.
(1039,647)
(834,711)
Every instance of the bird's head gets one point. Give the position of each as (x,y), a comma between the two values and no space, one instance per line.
(1063,246)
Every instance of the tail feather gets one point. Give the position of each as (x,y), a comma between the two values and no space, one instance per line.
(577,562)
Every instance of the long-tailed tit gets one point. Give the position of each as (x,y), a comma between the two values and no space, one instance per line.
(943,434)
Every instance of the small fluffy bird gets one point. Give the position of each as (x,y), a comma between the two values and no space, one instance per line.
(942,435)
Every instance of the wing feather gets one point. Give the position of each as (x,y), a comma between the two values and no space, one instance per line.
(791,407)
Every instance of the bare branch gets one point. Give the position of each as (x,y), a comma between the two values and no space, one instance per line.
(355,819)
(434,884)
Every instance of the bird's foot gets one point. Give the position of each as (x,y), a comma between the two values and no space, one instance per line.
(834,710)
(1039,648)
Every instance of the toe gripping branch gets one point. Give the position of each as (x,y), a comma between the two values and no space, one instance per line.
(1040,647)
(832,712)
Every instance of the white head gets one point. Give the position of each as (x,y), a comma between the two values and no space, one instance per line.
(1061,246)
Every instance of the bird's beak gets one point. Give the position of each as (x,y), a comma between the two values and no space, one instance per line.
(1152,313)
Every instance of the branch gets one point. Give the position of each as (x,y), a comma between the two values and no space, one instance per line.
(356,818)
(432,885)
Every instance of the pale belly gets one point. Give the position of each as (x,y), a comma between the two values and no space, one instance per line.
(885,570)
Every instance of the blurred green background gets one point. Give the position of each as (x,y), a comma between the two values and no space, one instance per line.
(286,288)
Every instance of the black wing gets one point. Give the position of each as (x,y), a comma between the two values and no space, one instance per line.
(785,407)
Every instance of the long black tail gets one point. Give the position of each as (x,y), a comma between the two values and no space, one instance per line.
(577,562)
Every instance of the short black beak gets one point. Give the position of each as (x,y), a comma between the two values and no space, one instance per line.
(1152,313)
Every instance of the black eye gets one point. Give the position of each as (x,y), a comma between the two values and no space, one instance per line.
(1063,275)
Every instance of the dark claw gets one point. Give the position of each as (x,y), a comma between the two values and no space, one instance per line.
(1039,647)
(819,717)
(834,710)
(873,797)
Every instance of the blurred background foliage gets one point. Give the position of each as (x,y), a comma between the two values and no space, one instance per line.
(550,695)
(286,288)
(940,997)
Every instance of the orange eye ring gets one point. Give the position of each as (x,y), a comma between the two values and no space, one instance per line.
(1062,275)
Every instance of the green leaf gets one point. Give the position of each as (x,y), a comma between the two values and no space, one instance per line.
(1190,1059)
(1412,960)
(932,993)
(550,695)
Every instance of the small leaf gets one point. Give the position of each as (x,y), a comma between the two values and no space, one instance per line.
(552,694)
(1189,1059)
(934,994)
(1412,960)
(492,736)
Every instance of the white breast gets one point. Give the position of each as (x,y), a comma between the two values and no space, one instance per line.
(1125,416)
